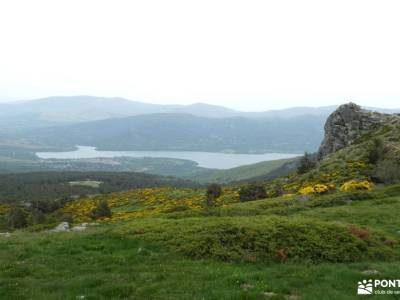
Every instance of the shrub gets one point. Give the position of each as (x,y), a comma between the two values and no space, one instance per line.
(375,152)
(269,239)
(101,211)
(37,217)
(66,217)
(306,163)
(361,233)
(354,185)
(16,218)
(315,189)
(47,206)
(342,198)
(275,190)
(214,191)
(393,190)
(387,171)
(252,192)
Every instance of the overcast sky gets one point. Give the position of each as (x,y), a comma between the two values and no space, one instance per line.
(250,55)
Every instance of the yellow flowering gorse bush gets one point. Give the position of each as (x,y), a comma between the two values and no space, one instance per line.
(315,189)
(147,202)
(354,185)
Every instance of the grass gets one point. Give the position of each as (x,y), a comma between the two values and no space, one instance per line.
(242,172)
(99,265)
(156,257)
(379,214)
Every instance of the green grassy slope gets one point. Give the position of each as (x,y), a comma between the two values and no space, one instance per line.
(241,173)
(165,257)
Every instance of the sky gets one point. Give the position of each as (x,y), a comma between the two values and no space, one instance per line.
(248,55)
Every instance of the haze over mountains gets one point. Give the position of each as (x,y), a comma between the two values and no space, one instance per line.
(89,108)
(121,124)
(185,132)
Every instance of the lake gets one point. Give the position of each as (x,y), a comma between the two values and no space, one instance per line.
(214,160)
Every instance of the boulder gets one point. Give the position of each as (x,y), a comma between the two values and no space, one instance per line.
(81,227)
(63,226)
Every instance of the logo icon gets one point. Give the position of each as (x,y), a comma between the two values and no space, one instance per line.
(365,287)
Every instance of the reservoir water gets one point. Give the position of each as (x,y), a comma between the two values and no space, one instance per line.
(214,160)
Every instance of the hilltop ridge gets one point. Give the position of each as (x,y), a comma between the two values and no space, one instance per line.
(347,123)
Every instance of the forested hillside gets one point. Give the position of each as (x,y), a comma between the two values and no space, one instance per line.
(183,132)
(49,186)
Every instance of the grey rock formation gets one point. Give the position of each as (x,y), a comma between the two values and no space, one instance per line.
(64,227)
(345,125)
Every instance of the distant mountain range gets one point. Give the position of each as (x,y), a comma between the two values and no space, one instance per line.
(87,108)
(67,110)
(121,124)
(185,132)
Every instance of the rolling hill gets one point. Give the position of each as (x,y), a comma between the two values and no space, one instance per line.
(247,172)
(67,110)
(184,132)
(73,109)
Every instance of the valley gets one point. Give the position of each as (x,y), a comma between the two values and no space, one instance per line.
(306,227)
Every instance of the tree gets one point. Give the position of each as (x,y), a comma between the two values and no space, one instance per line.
(214,191)
(375,153)
(16,218)
(306,164)
(252,192)
(101,211)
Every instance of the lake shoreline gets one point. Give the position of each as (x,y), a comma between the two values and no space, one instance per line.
(210,160)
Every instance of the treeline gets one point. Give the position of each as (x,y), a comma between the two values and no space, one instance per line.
(43,186)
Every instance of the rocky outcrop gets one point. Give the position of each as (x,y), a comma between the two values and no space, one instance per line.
(62,227)
(345,125)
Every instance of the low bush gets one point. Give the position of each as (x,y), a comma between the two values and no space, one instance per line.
(376,151)
(354,185)
(387,171)
(270,239)
(16,218)
(306,164)
(342,198)
(213,192)
(252,192)
(316,189)
(101,211)
(392,190)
